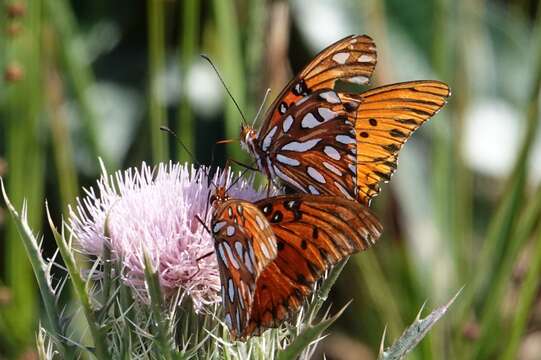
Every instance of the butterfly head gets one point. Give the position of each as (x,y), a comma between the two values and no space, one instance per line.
(219,196)
(248,137)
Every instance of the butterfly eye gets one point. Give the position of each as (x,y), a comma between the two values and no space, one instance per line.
(212,199)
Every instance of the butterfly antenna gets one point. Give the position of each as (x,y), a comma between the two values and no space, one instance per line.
(225,86)
(261,106)
(174,134)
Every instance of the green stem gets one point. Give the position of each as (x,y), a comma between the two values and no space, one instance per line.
(526,297)
(25,157)
(380,292)
(500,228)
(233,69)
(156,46)
(76,63)
(189,35)
(163,337)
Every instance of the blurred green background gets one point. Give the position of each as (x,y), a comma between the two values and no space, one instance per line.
(89,79)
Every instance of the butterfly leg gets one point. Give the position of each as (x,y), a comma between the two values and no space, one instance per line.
(248,167)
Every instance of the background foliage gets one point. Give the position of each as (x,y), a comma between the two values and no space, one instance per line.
(83,79)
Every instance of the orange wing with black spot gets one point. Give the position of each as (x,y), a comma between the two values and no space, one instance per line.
(346,144)
(385,119)
(312,234)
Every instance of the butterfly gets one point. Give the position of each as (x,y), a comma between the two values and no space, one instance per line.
(271,252)
(322,141)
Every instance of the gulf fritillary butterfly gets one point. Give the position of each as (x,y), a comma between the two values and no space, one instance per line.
(271,252)
(323,141)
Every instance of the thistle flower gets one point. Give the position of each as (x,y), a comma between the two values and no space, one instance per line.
(154,211)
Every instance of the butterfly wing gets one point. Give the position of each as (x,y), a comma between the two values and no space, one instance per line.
(351,59)
(346,144)
(312,233)
(244,245)
(386,118)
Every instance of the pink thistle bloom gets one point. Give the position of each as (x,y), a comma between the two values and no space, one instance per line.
(154,211)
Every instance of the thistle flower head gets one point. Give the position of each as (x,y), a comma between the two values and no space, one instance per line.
(154,211)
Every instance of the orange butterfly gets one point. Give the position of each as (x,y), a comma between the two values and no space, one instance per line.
(322,141)
(270,253)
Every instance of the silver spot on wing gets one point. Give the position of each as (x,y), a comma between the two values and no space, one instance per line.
(300,146)
(268,139)
(287,160)
(316,175)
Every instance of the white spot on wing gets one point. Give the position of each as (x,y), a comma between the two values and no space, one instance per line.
(230,230)
(222,254)
(287,160)
(301,100)
(361,80)
(264,250)
(268,139)
(241,293)
(239,248)
(331,152)
(286,125)
(316,175)
(234,261)
(231,290)
(300,146)
(365,58)
(228,320)
(260,222)
(248,263)
(238,319)
(330,96)
(313,190)
(341,57)
(332,168)
(287,179)
(353,168)
(326,114)
(309,121)
(342,189)
(344,139)
(218,226)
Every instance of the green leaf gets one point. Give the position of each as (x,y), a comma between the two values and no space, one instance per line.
(41,269)
(79,286)
(307,336)
(413,335)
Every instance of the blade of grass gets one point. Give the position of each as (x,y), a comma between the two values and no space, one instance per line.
(188,44)
(526,297)
(61,142)
(233,70)
(501,226)
(80,287)
(522,231)
(77,68)
(156,62)
(255,47)
(379,291)
(24,155)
